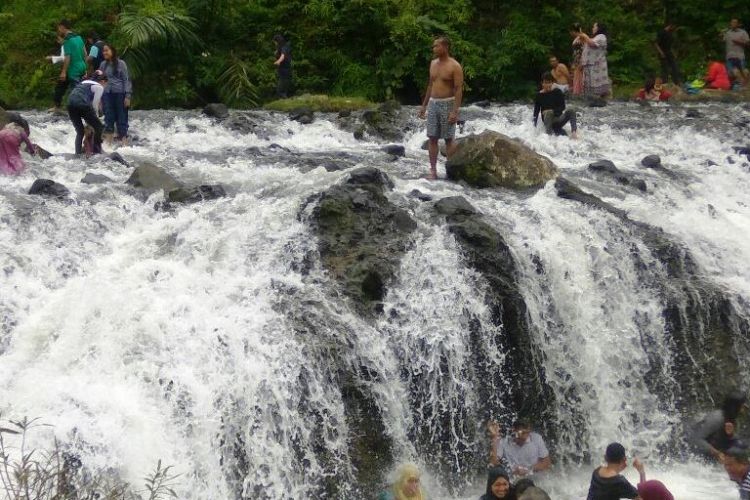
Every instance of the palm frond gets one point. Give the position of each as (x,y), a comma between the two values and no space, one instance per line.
(235,85)
(143,28)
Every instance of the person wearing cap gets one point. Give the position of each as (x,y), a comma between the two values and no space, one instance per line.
(714,433)
(83,105)
(606,481)
(737,465)
(524,450)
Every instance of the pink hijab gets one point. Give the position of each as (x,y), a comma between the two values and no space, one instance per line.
(654,490)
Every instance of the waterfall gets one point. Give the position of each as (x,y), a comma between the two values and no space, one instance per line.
(212,336)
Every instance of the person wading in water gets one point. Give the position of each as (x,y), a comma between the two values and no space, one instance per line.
(442,101)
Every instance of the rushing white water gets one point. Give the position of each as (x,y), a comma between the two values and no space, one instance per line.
(201,337)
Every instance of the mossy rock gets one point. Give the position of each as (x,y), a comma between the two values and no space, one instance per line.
(319,103)
(492,159)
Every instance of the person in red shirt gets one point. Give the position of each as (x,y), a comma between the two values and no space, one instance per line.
(653,90)
(717,76)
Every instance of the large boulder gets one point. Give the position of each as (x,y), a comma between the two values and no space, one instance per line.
(49,188)
(196,194)
(492,159)
(362,236)
(216,110)
(152,178)
(388,122)
(90,178)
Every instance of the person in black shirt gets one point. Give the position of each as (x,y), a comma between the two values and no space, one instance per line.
(551,103)
(607,483)
(664,40)
(283,65)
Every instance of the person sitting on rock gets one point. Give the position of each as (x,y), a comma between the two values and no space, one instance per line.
(407,485)
(653,90)
(714,433)
(11,137)
(551,102)
(524,451)
(717,77)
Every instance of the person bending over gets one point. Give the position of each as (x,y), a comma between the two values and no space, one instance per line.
(83,104)
(550,102)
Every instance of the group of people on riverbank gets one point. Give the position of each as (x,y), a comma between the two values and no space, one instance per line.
(98,82)
(522,455)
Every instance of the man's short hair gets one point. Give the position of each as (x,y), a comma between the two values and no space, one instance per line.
(521,424)
(615,453)
(444,40)
(547,77)
(65,23)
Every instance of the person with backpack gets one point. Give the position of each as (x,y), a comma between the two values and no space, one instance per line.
(96,54)
(117,94)
(83,104)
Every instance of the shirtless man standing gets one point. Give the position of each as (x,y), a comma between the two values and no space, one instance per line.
(560,73)
(442,101)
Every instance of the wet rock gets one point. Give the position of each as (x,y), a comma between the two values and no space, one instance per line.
(569,191)
(482,104)
(345,113)
(387,122)
(303,115)
(395,149)
(359,133)
(651,161)
(603,166)
(151,178)
(361,236)
(216,110)
(278,147)
(416,193)
(41,152)
(693,113)
(626,179)
(742,151)
(491,159)
(485,250)
(242,123)
(196,194)
(597,103)
(90,178)
(50,188)
(117,157)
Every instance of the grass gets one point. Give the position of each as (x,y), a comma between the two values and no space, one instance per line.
(322,103)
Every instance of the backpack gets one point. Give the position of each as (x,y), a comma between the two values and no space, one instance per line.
(82,95)
(100,54)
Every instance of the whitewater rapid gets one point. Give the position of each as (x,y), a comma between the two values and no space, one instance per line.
(185,336)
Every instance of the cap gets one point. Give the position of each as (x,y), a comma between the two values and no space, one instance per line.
(615,453)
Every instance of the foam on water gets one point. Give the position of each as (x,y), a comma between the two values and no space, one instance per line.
(199,338)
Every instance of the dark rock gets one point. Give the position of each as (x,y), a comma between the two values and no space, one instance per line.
(47,187)
(90,178)
(385,122)
(345,113)
(197,194)
(359,133)
(742,150)
(693,113)
(391,106)
(117,157)
(603,166)
(395,149)
(485,250)
(492,159)
(41,152)
(597,103)
(482,104)
(216,110)
(416,193)
(651,161)
(243,123)
(278,147)
(362,236)
(569,191)
(302,115)
(151,178)
(711,163)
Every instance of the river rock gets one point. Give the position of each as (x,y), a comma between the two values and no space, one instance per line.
(216,110)
(693,113)
(302,115)
(395,149)
(603,166)
(386,121)
(482,104)
(416,193)
(47,187)
(196,194)
(90,178)
(41,152)
(569,191)
(117,157)
(624,178)
(151,178)
(362,236)
(651,161)
(492,159)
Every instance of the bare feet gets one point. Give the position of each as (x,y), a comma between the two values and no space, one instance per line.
(574,135)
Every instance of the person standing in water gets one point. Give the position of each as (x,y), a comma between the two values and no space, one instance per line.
(283,65)
(74,63)
(442,101)
(596,82)
(498,485)
(737,40)
(524,451)
(560,73)
(117,94)
(664,41)
(714,433)
(606,481)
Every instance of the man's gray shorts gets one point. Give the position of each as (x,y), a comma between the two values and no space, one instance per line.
(437,119)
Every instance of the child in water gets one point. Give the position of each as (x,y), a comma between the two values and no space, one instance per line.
(11,137)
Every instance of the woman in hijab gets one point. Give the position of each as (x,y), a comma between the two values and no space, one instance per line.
(407,485)
(498,485)
(654,490)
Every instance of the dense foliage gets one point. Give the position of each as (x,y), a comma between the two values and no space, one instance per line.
(186,52)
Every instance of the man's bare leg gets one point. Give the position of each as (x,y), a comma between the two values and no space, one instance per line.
(433,149)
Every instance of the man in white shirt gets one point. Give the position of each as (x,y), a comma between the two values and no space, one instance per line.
(523,450)
(737,41)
